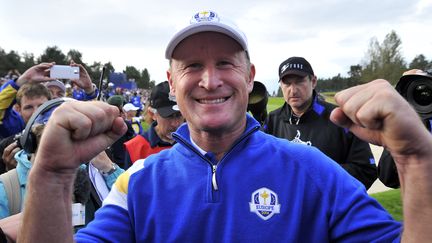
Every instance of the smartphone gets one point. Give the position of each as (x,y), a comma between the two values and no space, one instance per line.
(64,72)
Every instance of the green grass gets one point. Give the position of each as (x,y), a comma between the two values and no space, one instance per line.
(274,103)
(391,201)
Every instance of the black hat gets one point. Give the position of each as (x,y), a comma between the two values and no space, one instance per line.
(295,65)
(161,100)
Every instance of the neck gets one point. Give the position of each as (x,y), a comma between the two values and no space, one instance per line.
(299,111)
(163,137)
(215,141)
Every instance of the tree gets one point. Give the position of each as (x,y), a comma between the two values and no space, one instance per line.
(145,84)
(9,61)
(28,61)
(420,62)
(94,71)
(384,60)
(279,93)
(132,73)
(109,68)
(354,75)
(53,54)
(75,55)
(152,84)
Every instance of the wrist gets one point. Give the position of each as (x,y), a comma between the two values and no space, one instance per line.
(91,90)
(19,81)
(108,171)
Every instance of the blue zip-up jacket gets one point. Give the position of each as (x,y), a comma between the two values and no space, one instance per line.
(11,121)
(264,189)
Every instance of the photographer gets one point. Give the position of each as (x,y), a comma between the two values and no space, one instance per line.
(416,87)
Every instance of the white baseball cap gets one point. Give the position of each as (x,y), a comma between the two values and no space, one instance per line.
(130,107)
(207,21)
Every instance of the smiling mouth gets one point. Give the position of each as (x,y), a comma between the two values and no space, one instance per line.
(212,101)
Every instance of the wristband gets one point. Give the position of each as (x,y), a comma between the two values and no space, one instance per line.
(93,90)
(113,169)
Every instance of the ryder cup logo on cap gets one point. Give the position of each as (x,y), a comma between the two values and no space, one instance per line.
(207,21)
(295,65)
(264,202)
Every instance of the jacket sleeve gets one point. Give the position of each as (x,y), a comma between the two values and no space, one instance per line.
(110,179)
(387,171)
(93,95)
(4,203)
(9,119)
(360,162)
(112,222)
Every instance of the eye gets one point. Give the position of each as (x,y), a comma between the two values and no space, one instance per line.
(28,107)
(224,64)
(193,66)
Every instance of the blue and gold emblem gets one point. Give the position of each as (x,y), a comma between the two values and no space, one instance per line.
(265,203)
(207,16)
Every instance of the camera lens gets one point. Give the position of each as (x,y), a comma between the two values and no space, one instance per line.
(422,94)
(419,95)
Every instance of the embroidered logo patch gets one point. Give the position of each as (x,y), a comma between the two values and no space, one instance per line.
(298,140)
(207,16)
(264,202)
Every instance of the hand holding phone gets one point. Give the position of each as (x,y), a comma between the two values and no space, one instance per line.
(64,72)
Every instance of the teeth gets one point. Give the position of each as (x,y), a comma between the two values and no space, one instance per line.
(215,101)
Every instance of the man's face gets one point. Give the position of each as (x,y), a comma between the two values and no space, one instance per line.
(56,92)
(166,126)
(210,78)
(297,92)
(130,114)
(29,105)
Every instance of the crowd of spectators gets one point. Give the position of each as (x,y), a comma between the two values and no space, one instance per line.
(23,96)
(31,99)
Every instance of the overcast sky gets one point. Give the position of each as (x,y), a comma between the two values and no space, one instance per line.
(331,34)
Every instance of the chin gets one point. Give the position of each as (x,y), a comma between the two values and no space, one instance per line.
(214,125)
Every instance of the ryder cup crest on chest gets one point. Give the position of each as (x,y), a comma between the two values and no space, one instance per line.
(265,203)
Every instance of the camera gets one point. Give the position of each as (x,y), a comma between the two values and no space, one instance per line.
(258,100)
(64,72)
(416,87)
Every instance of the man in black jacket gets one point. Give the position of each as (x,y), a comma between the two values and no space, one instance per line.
(304,118)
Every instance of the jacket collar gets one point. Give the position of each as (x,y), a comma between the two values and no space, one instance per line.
(153,138)
(182,135)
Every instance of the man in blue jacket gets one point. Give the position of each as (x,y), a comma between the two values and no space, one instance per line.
(225,180)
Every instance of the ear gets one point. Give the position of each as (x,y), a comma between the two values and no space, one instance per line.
(314,81)
(151,114)
(170,82)
(17,108)
(251,78)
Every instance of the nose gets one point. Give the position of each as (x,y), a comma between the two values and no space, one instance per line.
(210,79)
(293,89)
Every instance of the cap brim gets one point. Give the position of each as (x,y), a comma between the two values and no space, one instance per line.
(294,72)
(62,87)
(167,111)
(204,27)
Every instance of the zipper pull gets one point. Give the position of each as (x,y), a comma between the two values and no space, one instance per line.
(215,187)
